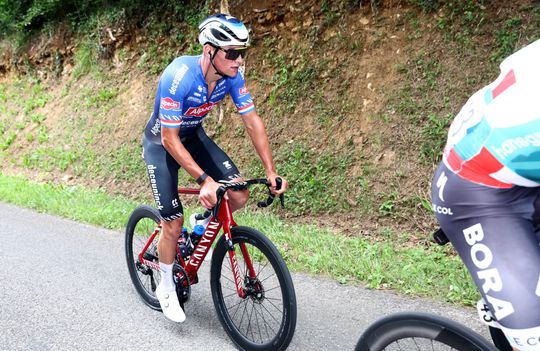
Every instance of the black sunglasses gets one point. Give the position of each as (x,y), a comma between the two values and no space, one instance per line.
(232,54)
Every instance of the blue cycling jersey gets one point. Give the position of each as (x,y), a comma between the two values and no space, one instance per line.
(182,99)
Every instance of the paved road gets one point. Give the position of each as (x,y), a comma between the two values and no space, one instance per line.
(65,286)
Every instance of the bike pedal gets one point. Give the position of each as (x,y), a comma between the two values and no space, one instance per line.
(148,256)
(440,237)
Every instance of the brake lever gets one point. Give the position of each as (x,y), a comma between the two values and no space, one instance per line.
(219,194)
(279,184)
(271,197)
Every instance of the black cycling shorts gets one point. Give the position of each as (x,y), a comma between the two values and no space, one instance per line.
(162,169)
(495,231)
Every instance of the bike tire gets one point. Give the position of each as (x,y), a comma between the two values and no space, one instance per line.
(273,291)
(140,226)
(420,331)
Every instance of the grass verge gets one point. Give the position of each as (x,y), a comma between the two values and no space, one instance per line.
(420,271)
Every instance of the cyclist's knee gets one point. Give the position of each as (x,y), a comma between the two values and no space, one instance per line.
(173,228)
(238,198)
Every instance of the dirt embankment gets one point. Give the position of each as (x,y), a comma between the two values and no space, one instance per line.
(345,89)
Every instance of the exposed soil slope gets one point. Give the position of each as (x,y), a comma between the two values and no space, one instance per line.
(356,99)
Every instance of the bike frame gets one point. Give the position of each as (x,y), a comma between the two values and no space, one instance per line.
(224,220)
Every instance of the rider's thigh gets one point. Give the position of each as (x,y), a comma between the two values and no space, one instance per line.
(536,216)
(162,172)
(492,230)
(211,158)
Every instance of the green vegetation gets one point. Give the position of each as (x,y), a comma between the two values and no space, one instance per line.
(16,16)
(312,176)
(349,149)
(427,271)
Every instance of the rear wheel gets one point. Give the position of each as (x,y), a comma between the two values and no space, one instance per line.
(265,319)
(141,224)
(420,331)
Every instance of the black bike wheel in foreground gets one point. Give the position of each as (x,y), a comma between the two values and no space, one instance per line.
(140,226)
(420,331)
(266,318)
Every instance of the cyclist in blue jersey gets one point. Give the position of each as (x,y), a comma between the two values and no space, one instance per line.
(485,194)
(174,137)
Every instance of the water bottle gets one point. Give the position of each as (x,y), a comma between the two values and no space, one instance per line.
(198,232)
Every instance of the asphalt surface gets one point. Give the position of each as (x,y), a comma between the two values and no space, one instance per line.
(65,286)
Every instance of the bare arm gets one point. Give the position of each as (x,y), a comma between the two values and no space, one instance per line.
(257,133)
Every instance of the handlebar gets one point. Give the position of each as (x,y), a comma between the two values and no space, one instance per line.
(243,186)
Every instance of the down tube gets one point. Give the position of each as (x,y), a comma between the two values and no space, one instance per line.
(197,258)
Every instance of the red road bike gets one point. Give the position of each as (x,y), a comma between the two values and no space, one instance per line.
(252,289)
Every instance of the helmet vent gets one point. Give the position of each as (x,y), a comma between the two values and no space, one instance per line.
(231,33)
(219,35)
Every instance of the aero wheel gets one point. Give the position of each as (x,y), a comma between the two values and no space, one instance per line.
(420,331)
(141,224)
(265,319)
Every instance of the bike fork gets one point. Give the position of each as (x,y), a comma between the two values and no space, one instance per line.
(234,264)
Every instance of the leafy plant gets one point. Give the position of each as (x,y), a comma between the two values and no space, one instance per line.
(507,38)
(85,58)
(434,136)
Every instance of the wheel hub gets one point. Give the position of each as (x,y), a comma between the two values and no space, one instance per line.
(254,289)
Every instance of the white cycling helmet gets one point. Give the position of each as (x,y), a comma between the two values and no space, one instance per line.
(223,30)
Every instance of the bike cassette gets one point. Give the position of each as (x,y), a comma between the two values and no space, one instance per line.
(183,286)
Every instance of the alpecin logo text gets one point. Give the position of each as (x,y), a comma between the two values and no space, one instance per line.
(200,111)
(169,104)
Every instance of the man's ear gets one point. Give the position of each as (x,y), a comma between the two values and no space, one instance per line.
(208,49)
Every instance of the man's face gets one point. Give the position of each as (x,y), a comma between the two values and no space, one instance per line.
(229,59)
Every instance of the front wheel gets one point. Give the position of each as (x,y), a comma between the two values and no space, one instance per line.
(420,331)
(265,319)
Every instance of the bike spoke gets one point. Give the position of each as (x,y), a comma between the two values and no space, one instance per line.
(267,323)
(227,278)
(260,270)
(267,326)
(271,315)
(265,279)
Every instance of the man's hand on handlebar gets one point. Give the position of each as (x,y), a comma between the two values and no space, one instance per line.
(207,196)
(276,188)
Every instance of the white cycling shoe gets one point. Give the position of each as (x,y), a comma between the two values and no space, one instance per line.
(170,306)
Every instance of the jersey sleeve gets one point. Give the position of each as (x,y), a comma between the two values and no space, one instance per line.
(172,92)
(240,94)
